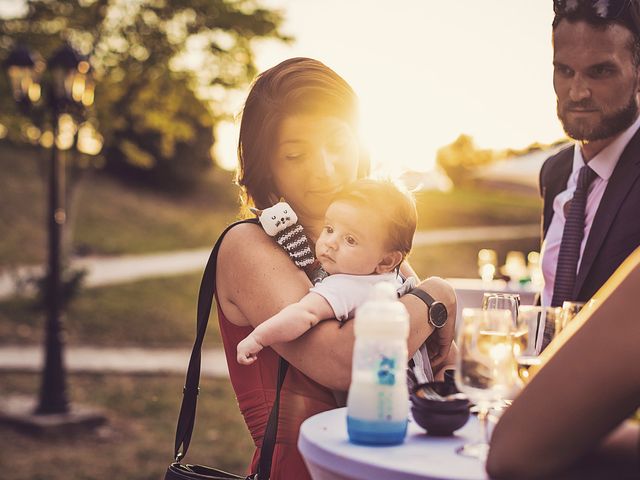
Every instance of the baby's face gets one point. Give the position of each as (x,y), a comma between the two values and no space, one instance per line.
(352,240)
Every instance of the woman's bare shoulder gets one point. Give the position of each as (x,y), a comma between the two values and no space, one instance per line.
(246,243)
(250,263)
(241,231)
(235,232)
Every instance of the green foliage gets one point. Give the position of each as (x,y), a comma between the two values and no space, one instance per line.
(533,147)
(461,157)
(161,67)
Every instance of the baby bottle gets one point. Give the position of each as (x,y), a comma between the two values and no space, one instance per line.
(378,402)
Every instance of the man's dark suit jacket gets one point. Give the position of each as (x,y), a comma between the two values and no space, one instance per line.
(615,231)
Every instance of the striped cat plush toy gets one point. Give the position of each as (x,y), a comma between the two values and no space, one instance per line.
(281,222)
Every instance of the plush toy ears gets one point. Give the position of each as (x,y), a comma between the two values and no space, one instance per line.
(256,211)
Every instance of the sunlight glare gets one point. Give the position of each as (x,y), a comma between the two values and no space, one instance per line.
(427,71)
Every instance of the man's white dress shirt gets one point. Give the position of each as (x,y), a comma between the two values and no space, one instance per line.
(603,164)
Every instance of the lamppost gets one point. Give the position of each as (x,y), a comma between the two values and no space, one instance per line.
(68,89)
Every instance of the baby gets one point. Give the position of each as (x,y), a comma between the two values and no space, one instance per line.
(368,232)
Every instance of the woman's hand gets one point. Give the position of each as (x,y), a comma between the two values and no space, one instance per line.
(448,364)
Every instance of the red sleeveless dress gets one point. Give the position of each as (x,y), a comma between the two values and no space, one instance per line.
(255,388)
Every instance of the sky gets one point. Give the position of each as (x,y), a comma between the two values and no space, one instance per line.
(428,70)
(425,71)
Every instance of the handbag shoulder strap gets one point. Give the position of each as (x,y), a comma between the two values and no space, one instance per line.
(186,418)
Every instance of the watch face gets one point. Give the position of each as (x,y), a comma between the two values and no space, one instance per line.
(438,314)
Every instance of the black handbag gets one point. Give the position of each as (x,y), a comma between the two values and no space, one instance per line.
(186,419)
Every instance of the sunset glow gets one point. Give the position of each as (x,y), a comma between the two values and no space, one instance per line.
(427,71)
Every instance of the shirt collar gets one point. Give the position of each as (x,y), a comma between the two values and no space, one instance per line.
(606,160)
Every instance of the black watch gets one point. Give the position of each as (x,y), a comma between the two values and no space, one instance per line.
(437,311)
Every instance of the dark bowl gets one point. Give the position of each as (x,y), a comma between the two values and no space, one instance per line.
(442,416)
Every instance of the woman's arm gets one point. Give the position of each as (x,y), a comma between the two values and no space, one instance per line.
(580,394)
(256,279)
(442,350)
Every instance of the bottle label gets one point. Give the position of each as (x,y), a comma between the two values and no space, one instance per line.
(386,371)
(380,361)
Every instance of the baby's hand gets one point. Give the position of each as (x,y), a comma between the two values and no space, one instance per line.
(248,350)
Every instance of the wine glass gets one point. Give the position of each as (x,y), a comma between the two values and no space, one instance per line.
(511,302)
(502,301)
(485,367)
(535,328)
(487,264)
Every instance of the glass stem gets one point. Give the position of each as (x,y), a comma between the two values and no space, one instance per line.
(483,415)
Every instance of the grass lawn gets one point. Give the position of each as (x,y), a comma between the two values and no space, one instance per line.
(22,196)
(469,207)
(113,219)
(137,443)
(105,216)
(149,313)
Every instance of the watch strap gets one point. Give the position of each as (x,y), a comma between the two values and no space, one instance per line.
(429,301)
(422,295)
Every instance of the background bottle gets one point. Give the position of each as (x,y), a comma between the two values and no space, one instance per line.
(378,401)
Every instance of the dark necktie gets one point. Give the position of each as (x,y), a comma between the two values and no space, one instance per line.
(572,236)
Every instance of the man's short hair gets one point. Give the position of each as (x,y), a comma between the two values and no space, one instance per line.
(587,11)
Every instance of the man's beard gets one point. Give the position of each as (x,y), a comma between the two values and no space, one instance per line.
(610,124)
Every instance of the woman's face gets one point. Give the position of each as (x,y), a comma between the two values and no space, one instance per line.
(315,156)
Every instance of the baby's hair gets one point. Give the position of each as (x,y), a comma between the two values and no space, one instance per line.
(393,204)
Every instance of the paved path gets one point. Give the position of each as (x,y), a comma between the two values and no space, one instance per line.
(127,268)
(20,358)
(111,270)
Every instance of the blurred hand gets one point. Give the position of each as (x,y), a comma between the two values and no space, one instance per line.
(439,343)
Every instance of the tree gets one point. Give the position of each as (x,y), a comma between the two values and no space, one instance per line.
(461,157)
(162,71)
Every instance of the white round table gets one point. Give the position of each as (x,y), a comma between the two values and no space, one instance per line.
(325,447)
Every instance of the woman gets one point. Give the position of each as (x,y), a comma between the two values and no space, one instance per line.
(298,140)
(569,422)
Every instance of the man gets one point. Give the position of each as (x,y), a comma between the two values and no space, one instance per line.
(591,217)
